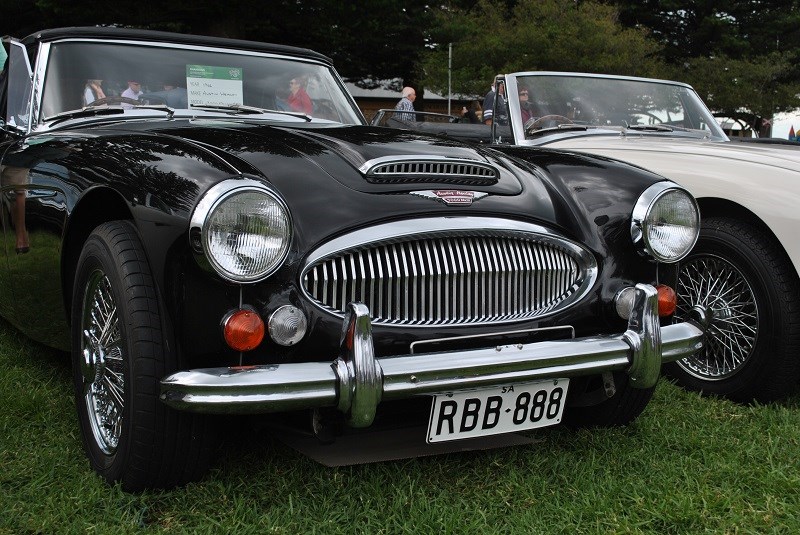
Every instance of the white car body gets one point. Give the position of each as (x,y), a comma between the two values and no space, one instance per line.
(749,196)
(742,280)
(760,178)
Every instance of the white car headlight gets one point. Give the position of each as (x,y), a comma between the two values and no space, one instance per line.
(666,222)
(244,230)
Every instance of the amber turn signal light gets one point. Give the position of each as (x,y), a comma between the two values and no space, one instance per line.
(243,330)
(667,300)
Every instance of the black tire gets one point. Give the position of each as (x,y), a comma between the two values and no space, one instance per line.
(119,354)
(747,289)
(622,408)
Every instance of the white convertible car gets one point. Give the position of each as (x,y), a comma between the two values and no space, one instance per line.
(741,280)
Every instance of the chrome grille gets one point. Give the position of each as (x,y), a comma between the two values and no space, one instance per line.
(453,279)
(444,171)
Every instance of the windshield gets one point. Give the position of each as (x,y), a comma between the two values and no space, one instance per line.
(646,105)
(89,74)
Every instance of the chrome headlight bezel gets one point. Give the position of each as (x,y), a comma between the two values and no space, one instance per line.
(209,205)
(644,227)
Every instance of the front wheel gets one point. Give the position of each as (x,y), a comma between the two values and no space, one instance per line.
(741,286)
(119,354)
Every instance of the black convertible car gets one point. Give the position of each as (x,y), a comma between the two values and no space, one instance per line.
(210,227)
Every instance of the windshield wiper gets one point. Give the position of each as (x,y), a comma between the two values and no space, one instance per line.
(651,127)
(658,128)
(559,128)
(250,110)
(654,127)
(160,107)
(84,112)
(92,111)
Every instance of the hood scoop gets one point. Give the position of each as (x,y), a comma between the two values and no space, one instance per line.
(427,169)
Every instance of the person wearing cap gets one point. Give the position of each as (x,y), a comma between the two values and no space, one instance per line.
(134,90)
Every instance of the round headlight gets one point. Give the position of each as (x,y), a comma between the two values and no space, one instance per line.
(246,230)
(666,222)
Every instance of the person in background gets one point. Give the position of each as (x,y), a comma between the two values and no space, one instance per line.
(92,91)
(298,99)
(173,96)
(134,91)
(406,104)
(501,112)
(470,114)
(17,176)
(525,106)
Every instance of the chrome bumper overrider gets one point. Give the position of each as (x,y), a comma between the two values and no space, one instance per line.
(356,382)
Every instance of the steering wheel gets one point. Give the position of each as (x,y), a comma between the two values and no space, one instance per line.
(152,99)
(112,100)
(548,121)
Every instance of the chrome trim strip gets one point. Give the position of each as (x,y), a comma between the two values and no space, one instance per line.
(569,328)
(562,74)
(37,80)
(356,381)
(185,46)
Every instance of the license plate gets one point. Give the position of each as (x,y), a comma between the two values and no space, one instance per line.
(496,410)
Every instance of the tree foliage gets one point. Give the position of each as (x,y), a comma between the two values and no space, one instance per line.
(493,36)
(741,55)
(371,39)
(749,90)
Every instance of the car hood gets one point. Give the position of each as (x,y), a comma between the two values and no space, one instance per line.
(164,168)
(634,147)
(320,171)
(345,153)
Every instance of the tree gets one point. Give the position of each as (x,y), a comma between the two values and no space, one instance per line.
(741,55)
(493,36)
(748,90)
(367,39)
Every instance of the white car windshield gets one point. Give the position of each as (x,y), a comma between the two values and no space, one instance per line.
(92,74)
(638,104)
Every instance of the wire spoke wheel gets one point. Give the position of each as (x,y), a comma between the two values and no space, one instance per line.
(740,286)
(120,352)
(102,364)
(717,290)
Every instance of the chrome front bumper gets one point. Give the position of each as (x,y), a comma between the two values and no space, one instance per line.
(356,382)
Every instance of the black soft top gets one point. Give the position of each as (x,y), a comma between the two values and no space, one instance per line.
(105,32)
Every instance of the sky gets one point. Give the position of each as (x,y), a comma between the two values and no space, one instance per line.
(783,122)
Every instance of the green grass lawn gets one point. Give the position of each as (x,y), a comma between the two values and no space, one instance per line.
(688,465)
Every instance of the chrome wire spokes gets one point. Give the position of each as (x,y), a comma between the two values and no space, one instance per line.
(102,362)
(714,289)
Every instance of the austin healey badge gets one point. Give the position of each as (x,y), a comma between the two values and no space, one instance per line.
(452,197)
